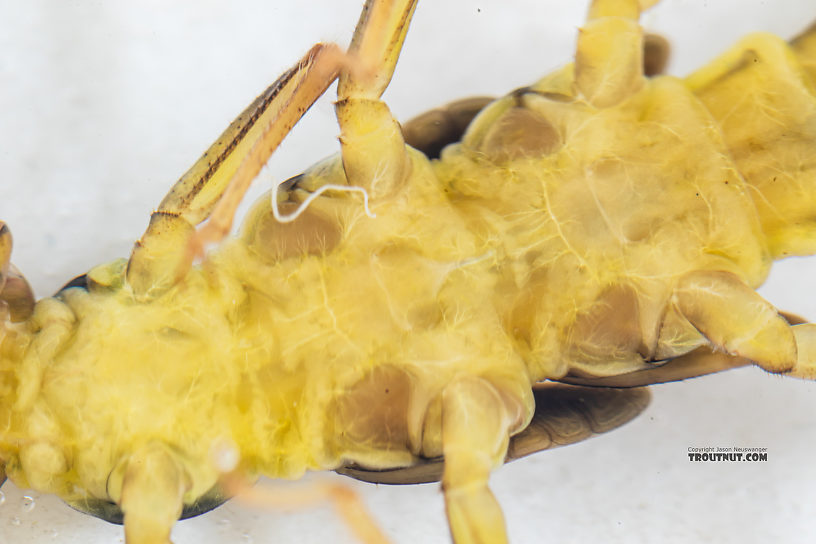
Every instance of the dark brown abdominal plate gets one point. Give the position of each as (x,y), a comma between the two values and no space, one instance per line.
(373,414)
(431,131)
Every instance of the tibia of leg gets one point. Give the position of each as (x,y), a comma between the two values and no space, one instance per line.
(215,185)
(376,44)
(476,423)
(151,496)
(805,367)
(734,318)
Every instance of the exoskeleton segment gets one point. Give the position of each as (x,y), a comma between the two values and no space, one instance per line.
(492,279)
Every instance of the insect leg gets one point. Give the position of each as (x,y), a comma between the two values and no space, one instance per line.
(214,186)
(373,149)
(476,424)
(151,495)
(702,361)
(431,131)
(609,54)
(734,318)
(16,296)
(347,503)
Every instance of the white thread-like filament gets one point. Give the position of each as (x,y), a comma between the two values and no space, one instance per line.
(305,204)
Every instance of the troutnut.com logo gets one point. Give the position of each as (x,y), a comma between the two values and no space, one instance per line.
(730,454)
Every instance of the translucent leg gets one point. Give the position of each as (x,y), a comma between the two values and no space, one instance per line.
(151,496)
(346,501)
(374,153)
(476,424)
(734,318)
(805,366)
(609,56)
(740,326)
(214,187)
(216,183)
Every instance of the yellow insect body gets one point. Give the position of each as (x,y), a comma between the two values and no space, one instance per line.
(584,229)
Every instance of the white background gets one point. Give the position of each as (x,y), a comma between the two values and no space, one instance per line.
(103,104)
